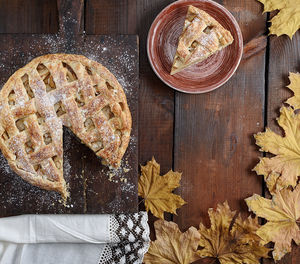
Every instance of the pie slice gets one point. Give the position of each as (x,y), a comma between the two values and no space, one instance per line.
(59,90)
(201,37)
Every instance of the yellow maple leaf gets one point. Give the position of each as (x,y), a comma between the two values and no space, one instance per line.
(282,213)
(295,87)
(172,246)
(287,21)
(230,239)
(283,169)
(157,190)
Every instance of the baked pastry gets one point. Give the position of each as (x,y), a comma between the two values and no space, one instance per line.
(201,37)
(59,90)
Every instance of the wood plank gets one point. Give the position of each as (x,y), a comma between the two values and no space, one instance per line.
(28,16)
(283,58)
(214,146)
(69,14)
(110,17)
(156,103)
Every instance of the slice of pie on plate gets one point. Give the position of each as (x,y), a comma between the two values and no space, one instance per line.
(201,37)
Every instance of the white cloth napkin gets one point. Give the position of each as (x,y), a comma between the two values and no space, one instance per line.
(72,239)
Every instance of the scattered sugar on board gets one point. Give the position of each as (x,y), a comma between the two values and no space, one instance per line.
(4,167)
(67,146)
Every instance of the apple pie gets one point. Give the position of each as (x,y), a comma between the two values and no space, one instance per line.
(59,90)
(201,37)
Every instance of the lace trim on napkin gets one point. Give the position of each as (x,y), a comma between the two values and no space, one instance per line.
(129,236)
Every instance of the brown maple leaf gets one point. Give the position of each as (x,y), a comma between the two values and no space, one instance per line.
(172,246)
(283,169)
(157,190)
(287,21)
(283,215)
(230,239)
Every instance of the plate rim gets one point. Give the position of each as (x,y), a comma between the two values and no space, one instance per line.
(240,39)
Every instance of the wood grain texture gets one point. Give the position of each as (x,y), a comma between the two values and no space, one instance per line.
(254,46)
(111,16)
(91,191)
(69,13)
(213,132)
(156,103)
(23,16)
(283,58)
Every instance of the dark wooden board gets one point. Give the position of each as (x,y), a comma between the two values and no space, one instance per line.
(90,187)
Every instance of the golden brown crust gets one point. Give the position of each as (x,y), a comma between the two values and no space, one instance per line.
(201,37)
(56,90)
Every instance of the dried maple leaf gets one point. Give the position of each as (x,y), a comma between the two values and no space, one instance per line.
(282,213)
(172,246)
(157,190)
(287,21)
(283,169)
(231,239)
(295,87)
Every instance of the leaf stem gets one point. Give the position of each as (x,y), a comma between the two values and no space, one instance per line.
(141,201)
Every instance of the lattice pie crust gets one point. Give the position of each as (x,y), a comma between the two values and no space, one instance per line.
(56,90)
(201,37)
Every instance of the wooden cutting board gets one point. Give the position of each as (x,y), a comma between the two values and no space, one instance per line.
(93,188)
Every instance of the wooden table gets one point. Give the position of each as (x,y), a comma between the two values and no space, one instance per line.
(208,137)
